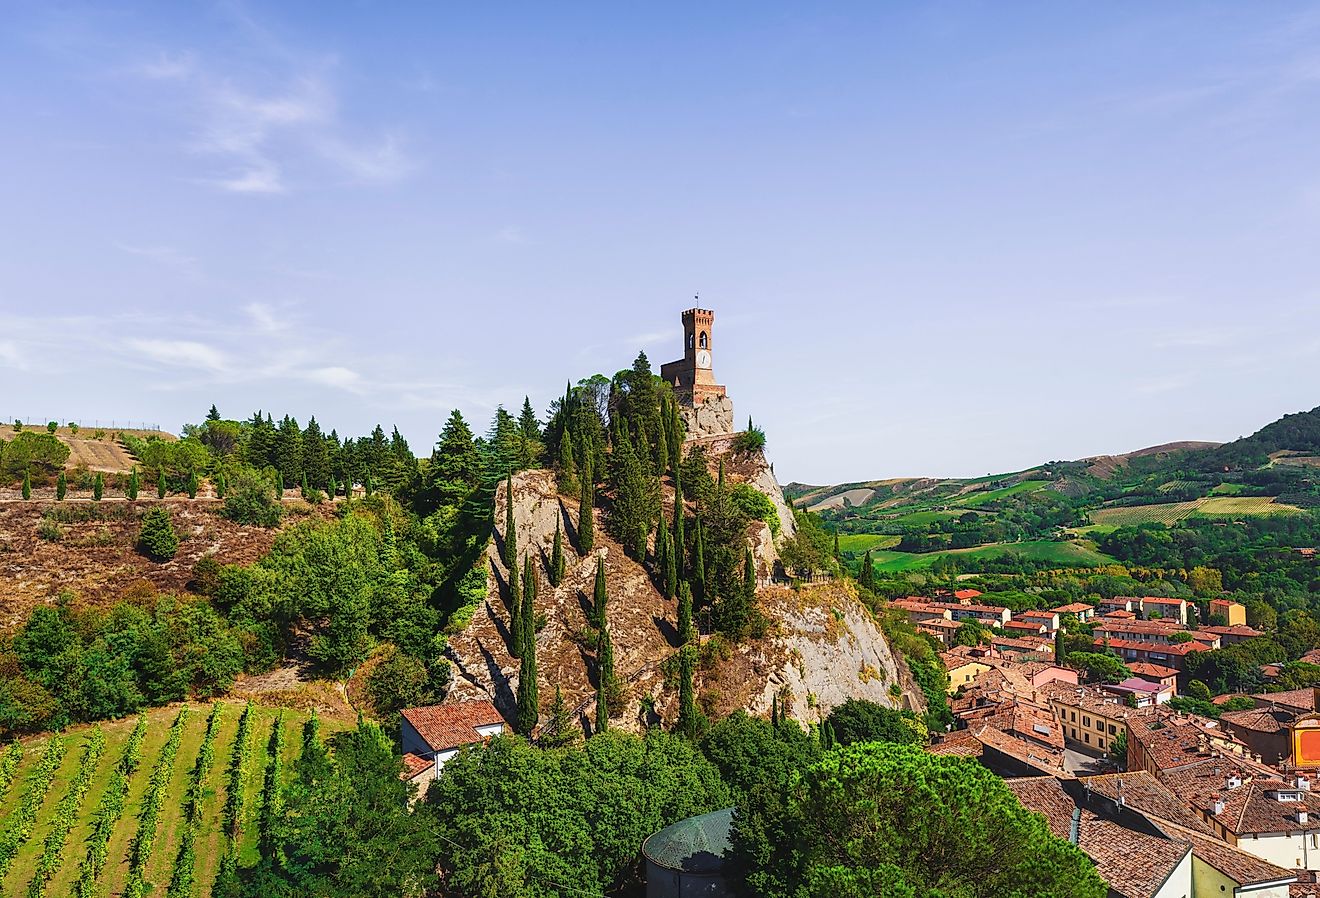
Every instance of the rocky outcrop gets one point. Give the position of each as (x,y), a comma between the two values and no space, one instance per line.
(712,417)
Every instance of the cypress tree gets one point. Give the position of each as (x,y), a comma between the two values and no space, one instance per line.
(98,487)
(688,716)
(599,598)
(510,526)
(643,530)
(133,483)
(515,613)
(586,514)
(279,485)
(160,484)
(528,619)
(685,633)
(605,665)
(661,450)
(559,731)
(61,486)
(566,463)
(303,486)
(332,488)
(867,578)
(664,561)
(27,485)
(675,437)
(838,556)
(557,555)
(192,484)
(680,538)
(368,483)
(774,710)
(529,696)
(602,710)
(698,577)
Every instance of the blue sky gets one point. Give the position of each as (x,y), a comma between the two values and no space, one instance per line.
(939,238)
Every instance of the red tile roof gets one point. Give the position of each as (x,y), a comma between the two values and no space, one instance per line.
(449,726)
(413,765)
(966,593)
(1159,671)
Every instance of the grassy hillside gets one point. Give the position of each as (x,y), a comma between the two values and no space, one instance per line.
(1060,554)
(210,841)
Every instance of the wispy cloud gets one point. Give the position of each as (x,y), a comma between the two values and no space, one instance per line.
(10,356)
(275,126)
(168,256)
(186,354)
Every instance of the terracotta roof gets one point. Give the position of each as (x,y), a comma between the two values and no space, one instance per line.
(1301,699)
(1140,790)
(954,661)
(1177,648)
(1042,644)
(1258,720)
(966,593)
(1145,669)
(1120,614)
(1159,600)
(1043,615)
(449,726)
(1024,625)
(1073,608)
(413,765)
(1087,698)
(962,743)
(1171,741)
(1134,865)
(1244,869)
(939,624)
(1311,657)
(1037,756)
(1247,807)
(1235,630)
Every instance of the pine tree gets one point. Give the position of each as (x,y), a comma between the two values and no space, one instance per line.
(586,513)
(515,612)
(160,484)
(529,696)
(867,578)
(279,485)
(557,555)
(213,414)
(774,710)
(332,488)
(62,487)
(567,465)
(599,597)
(510,525)
(689,719)
(27,485)
(368,483)
(685,632)
(661,450)
(192,484)
(303,487)
(132,491)
(98,487)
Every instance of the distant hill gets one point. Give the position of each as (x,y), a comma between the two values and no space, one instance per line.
(1297,433)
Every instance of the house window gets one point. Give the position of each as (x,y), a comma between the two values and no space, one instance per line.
(1086,721)
(1087,737)
(1074,716)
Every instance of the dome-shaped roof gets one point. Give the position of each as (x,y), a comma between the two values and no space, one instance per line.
(694,845)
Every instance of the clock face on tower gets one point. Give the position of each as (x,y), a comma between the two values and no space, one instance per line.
(703,359)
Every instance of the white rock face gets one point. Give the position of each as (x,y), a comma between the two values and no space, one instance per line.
(710,418)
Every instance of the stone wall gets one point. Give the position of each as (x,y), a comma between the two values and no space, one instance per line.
(712,417)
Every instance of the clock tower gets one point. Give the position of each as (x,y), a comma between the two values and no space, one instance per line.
(692,378)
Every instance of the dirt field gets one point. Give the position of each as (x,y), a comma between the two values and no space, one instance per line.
(95,554)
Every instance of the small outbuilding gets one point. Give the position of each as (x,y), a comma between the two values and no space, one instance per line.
(687,858)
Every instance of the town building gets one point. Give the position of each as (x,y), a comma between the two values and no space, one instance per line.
(1089,716)
(1234,613)
(1079,610)
(1139,693)
(1168,609)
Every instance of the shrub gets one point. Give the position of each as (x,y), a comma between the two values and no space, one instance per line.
(74,428)
(61,486)
(750,440)
(756,505)
(250,499)
(52,426)
(157,538)
(98,487)
(205,576)
(27,486)
(50,531)
(132,491)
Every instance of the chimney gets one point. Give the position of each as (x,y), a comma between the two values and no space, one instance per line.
(1075,828)
(1301,816)
(1219,805)
(1233,781)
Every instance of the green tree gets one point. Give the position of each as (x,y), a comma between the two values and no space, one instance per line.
(1198,690)
(156,536)
(557,555)
(221,485)
(399,681)
(559,731)
(98,487)
(670,573)
(27,485)
(613,689)
(1118,747)
(134,484)
(586,512)
(698,572)
(602,709)
(61,486)
(923,824)
(866,578)
(279,486)
(510,525)
(529,695)
(250,499)
(160,484)
(598,594)
(680,538)
(685,631)
(753,754)
(691,722)
(859,720)
(516,631)
(1104,667)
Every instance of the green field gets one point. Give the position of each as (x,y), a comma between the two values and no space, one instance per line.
(923,518)
(1168,513)
(1064,554)
(1026,486)
(858,543)
(211,842)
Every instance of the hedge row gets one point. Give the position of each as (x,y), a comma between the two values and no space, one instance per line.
(181,880)
(270,790)
(109,811)
(140,849)
(66,814)
(9,766)
(24,818)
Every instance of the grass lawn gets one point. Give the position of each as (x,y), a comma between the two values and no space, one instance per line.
(1228,489)
(1064,554)
(977,499)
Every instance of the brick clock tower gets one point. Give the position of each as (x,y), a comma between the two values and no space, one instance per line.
(705,404)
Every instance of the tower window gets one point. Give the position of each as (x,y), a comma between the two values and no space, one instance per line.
(703,340)
(690,339)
